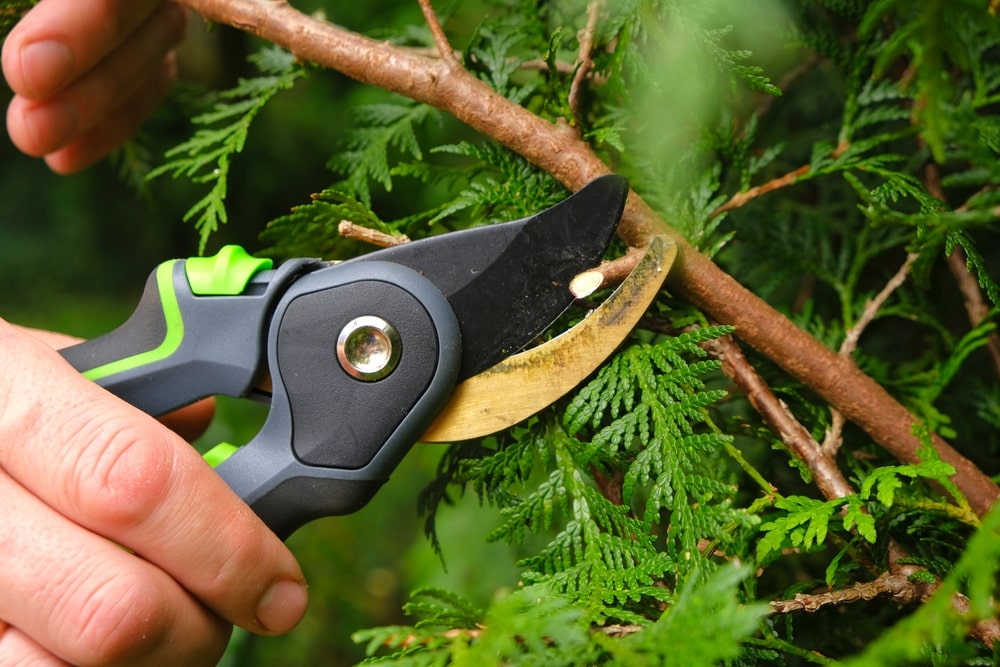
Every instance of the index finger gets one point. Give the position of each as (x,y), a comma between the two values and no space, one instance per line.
(59,40)
(120,474)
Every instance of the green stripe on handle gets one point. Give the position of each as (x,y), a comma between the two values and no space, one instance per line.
(172,339)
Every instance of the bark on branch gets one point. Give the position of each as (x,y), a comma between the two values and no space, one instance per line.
(560,152)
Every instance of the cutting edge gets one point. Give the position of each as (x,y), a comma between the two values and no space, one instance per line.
(524,383)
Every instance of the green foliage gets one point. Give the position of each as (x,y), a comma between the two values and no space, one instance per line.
(807,521)
(380,128)
(937,631)
(11,12)
(531,626)
(645,406)
(705,626)
(629,504)
(641,427)
(931,37)
(206,157)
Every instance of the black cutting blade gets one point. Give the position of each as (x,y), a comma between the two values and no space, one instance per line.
(508,282)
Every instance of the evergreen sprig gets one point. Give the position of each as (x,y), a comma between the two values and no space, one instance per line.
(645,406)
(535,627)
(381,134)
(311,230)
(206,157)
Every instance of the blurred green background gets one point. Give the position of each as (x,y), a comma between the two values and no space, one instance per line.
(75,252)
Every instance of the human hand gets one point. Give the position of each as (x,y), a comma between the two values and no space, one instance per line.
(87,74)
(81,473)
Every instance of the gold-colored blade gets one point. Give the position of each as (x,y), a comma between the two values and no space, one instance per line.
(524,383)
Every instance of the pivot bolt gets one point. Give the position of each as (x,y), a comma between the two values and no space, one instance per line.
(368,348)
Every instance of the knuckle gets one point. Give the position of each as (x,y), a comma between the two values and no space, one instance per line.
(230,574)
(121,621)
(22,409)
(123,473)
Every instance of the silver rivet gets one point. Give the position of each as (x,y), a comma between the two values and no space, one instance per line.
(368,348)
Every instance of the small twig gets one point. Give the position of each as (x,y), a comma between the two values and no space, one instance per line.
(440,39)
(411,641)
(895,586)
(349,230)
(585,62)
(828,477)
(742,198)
(901,589)
(874,305)
(975,305)
(834,436)
(616,631)
(537,64)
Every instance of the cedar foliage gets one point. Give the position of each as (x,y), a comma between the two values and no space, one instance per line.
(658,513)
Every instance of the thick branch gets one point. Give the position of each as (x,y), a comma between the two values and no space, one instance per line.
(572,162)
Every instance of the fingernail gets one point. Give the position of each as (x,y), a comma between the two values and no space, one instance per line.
(45,67)
(282,606)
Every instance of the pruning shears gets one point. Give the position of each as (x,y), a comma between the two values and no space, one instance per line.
(360,359)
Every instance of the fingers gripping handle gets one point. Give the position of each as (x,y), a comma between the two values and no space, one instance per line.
(332,439)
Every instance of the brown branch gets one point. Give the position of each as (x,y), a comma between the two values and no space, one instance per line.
(975,305)
(832,484)
(571,161)
(895,586)
(899,588)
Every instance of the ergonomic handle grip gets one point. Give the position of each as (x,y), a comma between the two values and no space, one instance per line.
(198,330)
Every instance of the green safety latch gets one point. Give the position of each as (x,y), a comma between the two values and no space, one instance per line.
(225,273)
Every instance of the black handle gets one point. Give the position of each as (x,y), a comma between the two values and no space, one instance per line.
(331,438)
